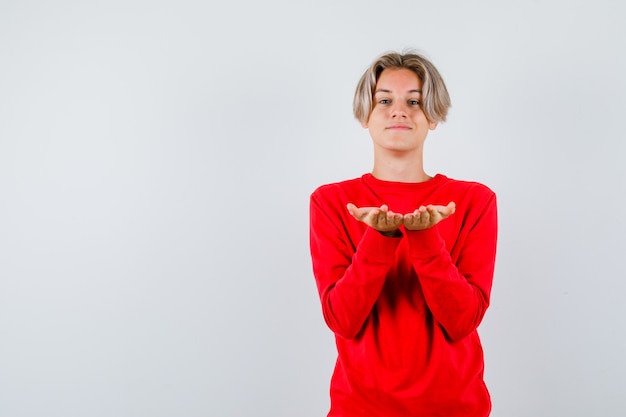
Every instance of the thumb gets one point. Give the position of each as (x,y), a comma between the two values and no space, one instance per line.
(352,209)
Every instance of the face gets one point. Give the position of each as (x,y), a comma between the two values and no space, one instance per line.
(397,122)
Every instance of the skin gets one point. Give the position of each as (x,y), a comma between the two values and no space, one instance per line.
(398,128)
(388,222)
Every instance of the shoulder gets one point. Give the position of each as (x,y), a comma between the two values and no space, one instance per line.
(470,196)
(336,188)
(473,188)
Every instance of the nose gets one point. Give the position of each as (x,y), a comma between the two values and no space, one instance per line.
(398,111)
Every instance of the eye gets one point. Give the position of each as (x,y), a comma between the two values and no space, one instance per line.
(384,101)
(414,102)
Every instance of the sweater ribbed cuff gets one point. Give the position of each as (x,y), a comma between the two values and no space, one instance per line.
(377,248)
(425,243)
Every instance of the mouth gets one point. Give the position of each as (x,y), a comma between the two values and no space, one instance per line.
(398,127)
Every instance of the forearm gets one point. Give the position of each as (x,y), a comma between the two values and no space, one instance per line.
(349,291)
(457,298)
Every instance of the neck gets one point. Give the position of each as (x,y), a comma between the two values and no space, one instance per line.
(405,168)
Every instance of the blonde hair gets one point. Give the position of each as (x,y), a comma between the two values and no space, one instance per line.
(435,97)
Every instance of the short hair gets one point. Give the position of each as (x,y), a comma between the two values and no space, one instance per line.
(435,98)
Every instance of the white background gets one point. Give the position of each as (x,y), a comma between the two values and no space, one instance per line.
(156,160)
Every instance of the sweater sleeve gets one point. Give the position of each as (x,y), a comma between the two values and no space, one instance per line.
(458,294)
(349,279)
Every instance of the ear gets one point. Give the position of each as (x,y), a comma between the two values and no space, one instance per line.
(365,124)
(432,125)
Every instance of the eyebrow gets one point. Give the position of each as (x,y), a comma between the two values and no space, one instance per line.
(382,90)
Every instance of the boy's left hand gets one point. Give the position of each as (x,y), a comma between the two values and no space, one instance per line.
(428,216)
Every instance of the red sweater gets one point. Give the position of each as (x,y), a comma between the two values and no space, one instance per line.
(405,310)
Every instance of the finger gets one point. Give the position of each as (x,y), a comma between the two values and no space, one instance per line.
(352,209)
(447,210)
(371,216)
(359,211)
(411,219)
(434,211)
(443,211)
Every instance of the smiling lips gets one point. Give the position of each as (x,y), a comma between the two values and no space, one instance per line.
(398,127)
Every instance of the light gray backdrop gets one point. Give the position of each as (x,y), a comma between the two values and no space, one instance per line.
(156,160)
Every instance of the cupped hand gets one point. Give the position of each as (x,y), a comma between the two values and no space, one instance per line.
(378,218)
(428,216)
